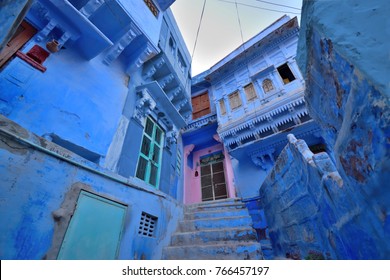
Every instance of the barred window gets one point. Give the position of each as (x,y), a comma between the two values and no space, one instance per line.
(222,106)
(250,92)
(234,100)
(152,7)
(268,85)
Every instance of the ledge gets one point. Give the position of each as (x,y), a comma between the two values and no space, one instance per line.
(164,103)
(30,61)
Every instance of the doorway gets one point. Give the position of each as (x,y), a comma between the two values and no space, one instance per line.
(213,183)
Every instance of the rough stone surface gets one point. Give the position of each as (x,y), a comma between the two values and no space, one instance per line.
(215,230)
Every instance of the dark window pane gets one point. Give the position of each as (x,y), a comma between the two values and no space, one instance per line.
(149,127)
(218,178)
(156,154)
(205,180)
(207,193)
(218,167)
(153,175)
(220,190)
(204,170)
(158,135)
(141,170)
(145,146)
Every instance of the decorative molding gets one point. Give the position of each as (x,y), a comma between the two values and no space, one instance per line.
(188,149)
(144,56)
(91,7)
(171,137)
(265,160)
(119,46)
(42,35)
(144,106)
(201,122)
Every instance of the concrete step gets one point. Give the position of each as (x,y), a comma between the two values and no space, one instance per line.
(216,202)
(217,251)
(216,213)
(228,235)
(214,207)
(222,222)
(266,247)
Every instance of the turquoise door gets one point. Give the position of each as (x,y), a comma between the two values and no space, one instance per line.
(149,160)
(95,229)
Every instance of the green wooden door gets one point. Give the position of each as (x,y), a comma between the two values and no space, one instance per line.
(94,232)
(149,160)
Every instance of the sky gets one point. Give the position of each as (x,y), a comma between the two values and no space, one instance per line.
(220,29)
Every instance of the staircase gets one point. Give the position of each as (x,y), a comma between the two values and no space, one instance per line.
(219,230)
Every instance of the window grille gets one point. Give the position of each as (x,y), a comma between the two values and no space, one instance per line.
(222,106)
(234,100)
(268,85)
(250,92)
(147,225)
(152,7)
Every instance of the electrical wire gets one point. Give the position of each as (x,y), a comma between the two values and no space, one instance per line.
(261,8)
(197,33)
(239,24)
(281,5)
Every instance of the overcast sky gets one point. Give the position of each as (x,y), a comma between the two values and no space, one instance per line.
(220,31)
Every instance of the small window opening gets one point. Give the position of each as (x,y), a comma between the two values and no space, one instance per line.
(222,106)
(250,92)
(234,100)
(285,73)
(267,85)
(148,225)
(318,148)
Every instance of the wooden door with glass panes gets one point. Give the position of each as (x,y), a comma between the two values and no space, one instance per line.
(213,182)
(149,160)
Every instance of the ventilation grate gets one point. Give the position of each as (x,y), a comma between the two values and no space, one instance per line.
(147,226)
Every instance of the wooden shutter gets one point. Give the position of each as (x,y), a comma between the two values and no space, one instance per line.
(23,34)
(200,105)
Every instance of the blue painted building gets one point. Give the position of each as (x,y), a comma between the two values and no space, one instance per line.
(248,102)
(99,91)
(108,145)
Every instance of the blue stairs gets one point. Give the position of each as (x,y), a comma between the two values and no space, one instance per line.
(219,230)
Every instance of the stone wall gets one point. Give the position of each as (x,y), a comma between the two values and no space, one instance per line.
(292,194)
(337,206)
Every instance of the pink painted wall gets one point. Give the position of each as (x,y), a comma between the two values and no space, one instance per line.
(192,189)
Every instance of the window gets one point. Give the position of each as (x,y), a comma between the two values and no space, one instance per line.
(178,162)
(234,100)
(149,160)
(285,73)
(172,45)
(250,92)
(22,35)
(200,105)
(222,106)
(148,225)
(181,63)
(267,85)
(152,7)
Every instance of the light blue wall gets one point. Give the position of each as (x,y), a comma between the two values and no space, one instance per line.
(144,18)
(78,100)
(35,184)
(247,177)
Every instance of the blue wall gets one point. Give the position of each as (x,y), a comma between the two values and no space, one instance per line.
(35,184)
(78,100)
